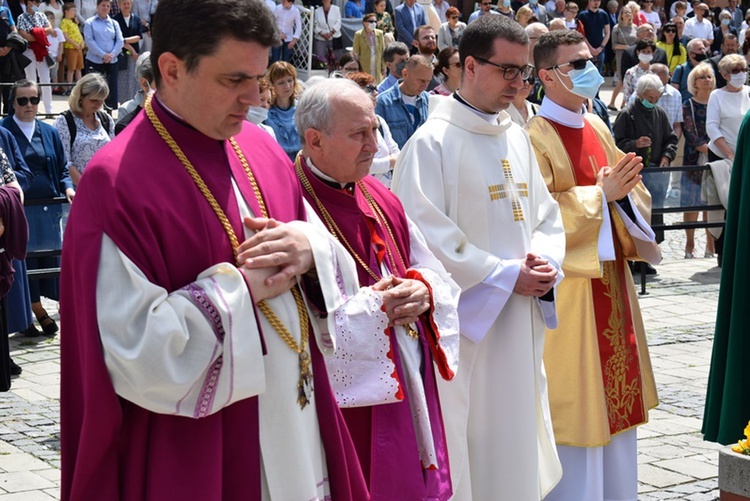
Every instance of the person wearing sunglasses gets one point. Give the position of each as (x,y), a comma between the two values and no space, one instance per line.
(600,194)
(450,32)
(448,70)
(468,179)
(670,43)
(42,150)
(485,8)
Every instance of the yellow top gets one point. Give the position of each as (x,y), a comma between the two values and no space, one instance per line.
(70,28)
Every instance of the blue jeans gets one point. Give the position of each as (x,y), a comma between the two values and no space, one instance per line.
(281,53)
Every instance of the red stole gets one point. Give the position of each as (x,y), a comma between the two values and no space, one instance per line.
(618,350)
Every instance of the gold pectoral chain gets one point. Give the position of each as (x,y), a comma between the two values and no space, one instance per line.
(336,231)
(305,383)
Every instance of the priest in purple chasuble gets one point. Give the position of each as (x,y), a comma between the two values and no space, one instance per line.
(468,179)
(601,384)
(192,365)
(400,333)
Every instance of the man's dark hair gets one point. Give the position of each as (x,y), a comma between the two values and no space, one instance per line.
(645,44)
(545,50)
(394,49)
(175,22)
(479,37)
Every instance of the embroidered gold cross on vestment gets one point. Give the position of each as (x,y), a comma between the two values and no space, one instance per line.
(511,190)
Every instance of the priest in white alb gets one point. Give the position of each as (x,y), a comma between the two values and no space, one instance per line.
(469,180)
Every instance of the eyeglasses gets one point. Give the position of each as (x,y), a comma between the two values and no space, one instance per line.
(486,3)
(529,79)
(509,72)
(23,101)
(733,71)
(456,65)
(371,89)
(670,31)
(454,17)
(578,64)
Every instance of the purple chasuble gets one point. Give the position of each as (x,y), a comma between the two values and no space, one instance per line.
(137,192)
(384,435)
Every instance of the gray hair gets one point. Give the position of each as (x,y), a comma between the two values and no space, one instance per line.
(143,68)
(92,85)
(315,110)
(648,82)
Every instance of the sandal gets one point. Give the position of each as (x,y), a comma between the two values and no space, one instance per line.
(709,254)
(49,328)
(689,255)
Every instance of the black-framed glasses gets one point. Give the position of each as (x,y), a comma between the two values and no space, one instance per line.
(510,72)
(578,64)
(529,79)
(371,89)
(733,71)
(486,3)
(670,31)
(23,101)
(456,65)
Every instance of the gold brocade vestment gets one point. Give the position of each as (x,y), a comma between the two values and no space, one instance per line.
(582,355)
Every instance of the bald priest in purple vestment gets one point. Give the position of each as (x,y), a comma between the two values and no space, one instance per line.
(192,360)
(400,333)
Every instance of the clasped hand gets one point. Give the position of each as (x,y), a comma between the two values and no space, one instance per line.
(536,278)
(272,259)
(404,299)
(617,181)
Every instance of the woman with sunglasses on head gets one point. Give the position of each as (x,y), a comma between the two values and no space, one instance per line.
(84,128)
(669,43)
(387,154)
(42,150)
(448,70)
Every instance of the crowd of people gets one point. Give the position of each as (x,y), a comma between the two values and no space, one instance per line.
(410,281)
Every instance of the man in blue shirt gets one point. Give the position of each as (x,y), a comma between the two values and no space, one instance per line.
(104,40)
(596,25)
(485,7)
(409,16)
(404,106)
(395,56)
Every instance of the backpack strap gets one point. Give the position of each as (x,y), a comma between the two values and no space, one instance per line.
(71,127)
(104,118)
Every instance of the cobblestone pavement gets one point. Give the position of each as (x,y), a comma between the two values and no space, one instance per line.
(674,462)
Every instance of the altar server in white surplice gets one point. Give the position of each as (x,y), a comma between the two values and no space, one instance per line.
(468,178)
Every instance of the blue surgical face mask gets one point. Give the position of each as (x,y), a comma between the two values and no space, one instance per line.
(647,104)
(726,21)
(586,82)
(34,8)
(533,2)
(257,115)
(506,3)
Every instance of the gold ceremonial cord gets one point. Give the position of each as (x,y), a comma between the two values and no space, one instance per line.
(336,231)
(304,386)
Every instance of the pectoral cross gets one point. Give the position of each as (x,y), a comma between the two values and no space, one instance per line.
(511,190)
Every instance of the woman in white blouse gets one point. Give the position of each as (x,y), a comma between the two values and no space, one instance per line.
(327,28)
(727,107)
(93,128)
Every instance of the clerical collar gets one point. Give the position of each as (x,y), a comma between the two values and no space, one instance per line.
(325,178)
(26,127)
(553,111)
(489,117)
